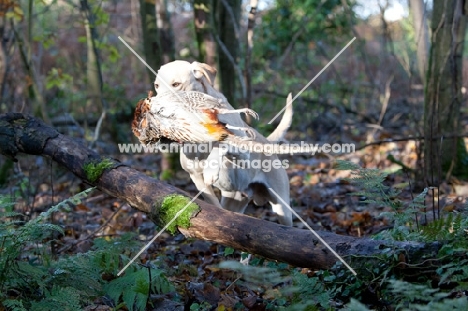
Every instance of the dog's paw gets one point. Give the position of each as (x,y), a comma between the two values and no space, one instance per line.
(245,258)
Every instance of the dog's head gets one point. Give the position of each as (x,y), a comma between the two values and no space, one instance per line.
(181,75)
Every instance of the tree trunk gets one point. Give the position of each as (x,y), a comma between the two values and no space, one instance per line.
(202,10)
(94,81)
(227,22)
(24,46)
(151,43)
(158,46)
(3,55)
(443,94)
(418,16)
(298,247)
(166,35)
(169,161)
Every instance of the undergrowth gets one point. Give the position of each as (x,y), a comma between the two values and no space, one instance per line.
(31,278)
(381,284)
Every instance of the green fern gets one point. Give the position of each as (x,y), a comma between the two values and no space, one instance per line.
(134,287)
(15,238)
(410,296)
(257,276)
(448,227)
(14,305)
(42,282)
(403,216)
(307,292)
(371,181)
(59,298)
(108,254)
(304,293)
(456,271)
(460,304)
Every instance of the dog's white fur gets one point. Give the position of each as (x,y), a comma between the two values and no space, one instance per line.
(238,186)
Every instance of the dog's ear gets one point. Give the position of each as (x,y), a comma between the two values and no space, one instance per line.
(201,70)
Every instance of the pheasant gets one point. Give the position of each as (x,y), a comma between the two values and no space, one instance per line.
(186,117)
(147,131)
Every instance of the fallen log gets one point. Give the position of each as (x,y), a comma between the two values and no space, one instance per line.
(299,247)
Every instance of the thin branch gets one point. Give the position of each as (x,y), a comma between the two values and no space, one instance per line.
(418,138)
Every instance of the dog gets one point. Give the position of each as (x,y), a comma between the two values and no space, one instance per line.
(238,186)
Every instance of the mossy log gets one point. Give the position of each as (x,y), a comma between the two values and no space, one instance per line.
(299,247)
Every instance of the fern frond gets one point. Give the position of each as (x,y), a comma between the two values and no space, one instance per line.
(76,199)
(14,305)
(454,271)
(308,291)
(421,297)
(371,181)
(256,275)
(346,166)
(134,287)
(11,215)
(59,298)
(451,228)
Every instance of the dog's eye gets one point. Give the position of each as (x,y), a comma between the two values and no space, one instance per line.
(175,84)
(156,86)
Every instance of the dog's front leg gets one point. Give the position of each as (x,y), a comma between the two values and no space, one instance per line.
(208,192)
(218,172)
(193,164)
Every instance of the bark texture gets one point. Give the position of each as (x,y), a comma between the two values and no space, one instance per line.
(227,23)
(202,10)
(443,96)
(421,32)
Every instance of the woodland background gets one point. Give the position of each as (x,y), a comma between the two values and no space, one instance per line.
(398,92)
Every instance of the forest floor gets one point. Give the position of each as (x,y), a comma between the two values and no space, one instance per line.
(319,193)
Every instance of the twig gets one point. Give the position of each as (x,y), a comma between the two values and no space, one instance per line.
(386,141)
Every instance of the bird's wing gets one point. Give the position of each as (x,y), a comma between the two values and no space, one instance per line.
(177,121)
(198,101)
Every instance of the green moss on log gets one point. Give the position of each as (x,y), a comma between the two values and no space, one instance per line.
(174,204)
(94,170)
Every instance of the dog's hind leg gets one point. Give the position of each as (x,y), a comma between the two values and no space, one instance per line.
(234,201)
(282,210)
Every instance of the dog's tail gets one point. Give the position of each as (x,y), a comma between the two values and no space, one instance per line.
(285,123)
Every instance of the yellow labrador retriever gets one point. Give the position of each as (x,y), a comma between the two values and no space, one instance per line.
(236,174)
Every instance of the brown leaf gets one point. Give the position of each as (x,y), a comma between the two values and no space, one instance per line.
(249,301)
(205,292)
(227,302)
(82,208)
